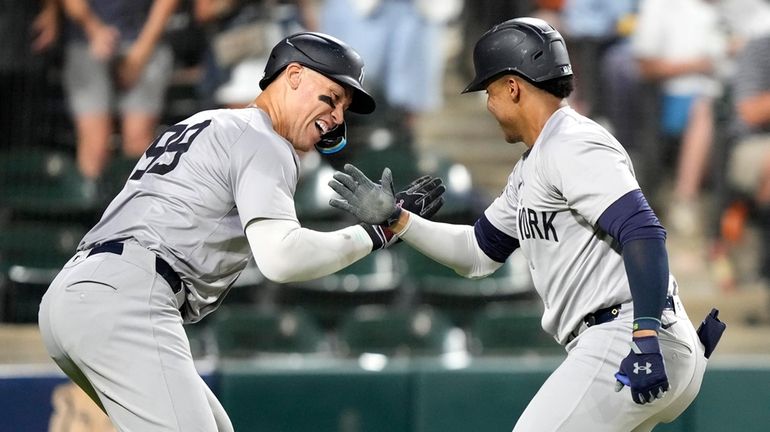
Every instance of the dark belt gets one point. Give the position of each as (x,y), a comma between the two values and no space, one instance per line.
(608,314)
(161,267)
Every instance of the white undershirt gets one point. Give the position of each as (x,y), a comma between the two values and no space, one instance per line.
(286,252)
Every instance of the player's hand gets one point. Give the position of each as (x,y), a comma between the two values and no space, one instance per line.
(369,202)
(643,371)
(423,196)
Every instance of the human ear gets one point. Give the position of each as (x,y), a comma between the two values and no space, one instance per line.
(294,74)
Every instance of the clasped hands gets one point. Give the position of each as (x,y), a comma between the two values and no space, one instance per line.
(378,206)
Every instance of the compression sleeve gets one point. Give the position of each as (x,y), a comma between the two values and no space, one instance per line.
(454,246)
(286,252)
(631,221)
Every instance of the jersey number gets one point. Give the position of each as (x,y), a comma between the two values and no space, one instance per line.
(177,140)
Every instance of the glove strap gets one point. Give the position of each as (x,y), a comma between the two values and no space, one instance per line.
(381,236)
(393,218)
(645,345)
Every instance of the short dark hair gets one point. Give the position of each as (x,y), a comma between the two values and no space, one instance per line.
(560,87)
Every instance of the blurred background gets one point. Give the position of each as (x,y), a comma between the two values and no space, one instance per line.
(394,342)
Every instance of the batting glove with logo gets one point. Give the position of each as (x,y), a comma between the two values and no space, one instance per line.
(643,371)
(423,197)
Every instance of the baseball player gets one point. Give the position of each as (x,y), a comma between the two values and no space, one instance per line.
(208,193)
(594,246)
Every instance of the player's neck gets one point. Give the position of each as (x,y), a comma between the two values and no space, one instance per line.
(537,116)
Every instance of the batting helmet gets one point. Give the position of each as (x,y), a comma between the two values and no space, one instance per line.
(326,55)
(529,47)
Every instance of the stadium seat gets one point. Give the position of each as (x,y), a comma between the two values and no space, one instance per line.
(511,330)
(402,163)
(375,279)
(247,332)
(45,182)
(460,297)
(462,203)
(311,198)
(31,254)
(383,330)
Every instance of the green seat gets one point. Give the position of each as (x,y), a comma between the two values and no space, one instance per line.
(311,199)
(377,272)
(382,330)
(402,163)
(33,252)
(31,255)
(374,279)
(47,182)
(512,279)
(462,203)
(460,297)
(116,175)
(247,332)
(506,329)
(201,339)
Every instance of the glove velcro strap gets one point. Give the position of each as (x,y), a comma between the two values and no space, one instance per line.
(382,237)
(645,345)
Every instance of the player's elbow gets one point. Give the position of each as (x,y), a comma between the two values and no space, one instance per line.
(278,271)
(474,273)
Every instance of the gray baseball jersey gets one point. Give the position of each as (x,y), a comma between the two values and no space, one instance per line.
(551,204)
(191,195)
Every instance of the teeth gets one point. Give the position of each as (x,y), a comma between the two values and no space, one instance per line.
(322,125)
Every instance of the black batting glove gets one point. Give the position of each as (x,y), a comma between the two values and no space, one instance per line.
(423,196)
(643,371)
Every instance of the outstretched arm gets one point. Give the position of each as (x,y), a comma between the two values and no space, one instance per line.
(286,252)
(455,246)
(472,251)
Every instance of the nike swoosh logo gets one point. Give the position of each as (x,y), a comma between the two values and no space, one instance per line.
(666,326)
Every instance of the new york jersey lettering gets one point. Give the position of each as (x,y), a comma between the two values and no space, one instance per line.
(533,224)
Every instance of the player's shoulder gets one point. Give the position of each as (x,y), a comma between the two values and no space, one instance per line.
(569,131)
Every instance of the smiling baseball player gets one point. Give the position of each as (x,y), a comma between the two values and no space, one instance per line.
(594,246)
(208,193)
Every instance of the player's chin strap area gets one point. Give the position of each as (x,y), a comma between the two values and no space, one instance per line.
(333,141)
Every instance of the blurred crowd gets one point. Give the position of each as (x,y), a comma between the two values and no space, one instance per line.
(683,84)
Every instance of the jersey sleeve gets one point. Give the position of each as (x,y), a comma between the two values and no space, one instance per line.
(591,172)
(502,213)
(264,177)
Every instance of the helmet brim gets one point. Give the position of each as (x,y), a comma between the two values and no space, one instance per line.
(363,102)
(475,85)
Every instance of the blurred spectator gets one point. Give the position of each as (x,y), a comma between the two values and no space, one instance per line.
(28,29)
(590,27)
(240,34)
(479,16)
(403,44)
(749,166)
(679,45)
(115,60)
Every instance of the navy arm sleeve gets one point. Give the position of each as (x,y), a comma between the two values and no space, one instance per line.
(631,222)
(496,244)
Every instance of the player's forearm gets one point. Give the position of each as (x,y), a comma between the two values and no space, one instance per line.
(452,245)
(655,69)
(755,110)
(78,11)
(286,252)
(156,23)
